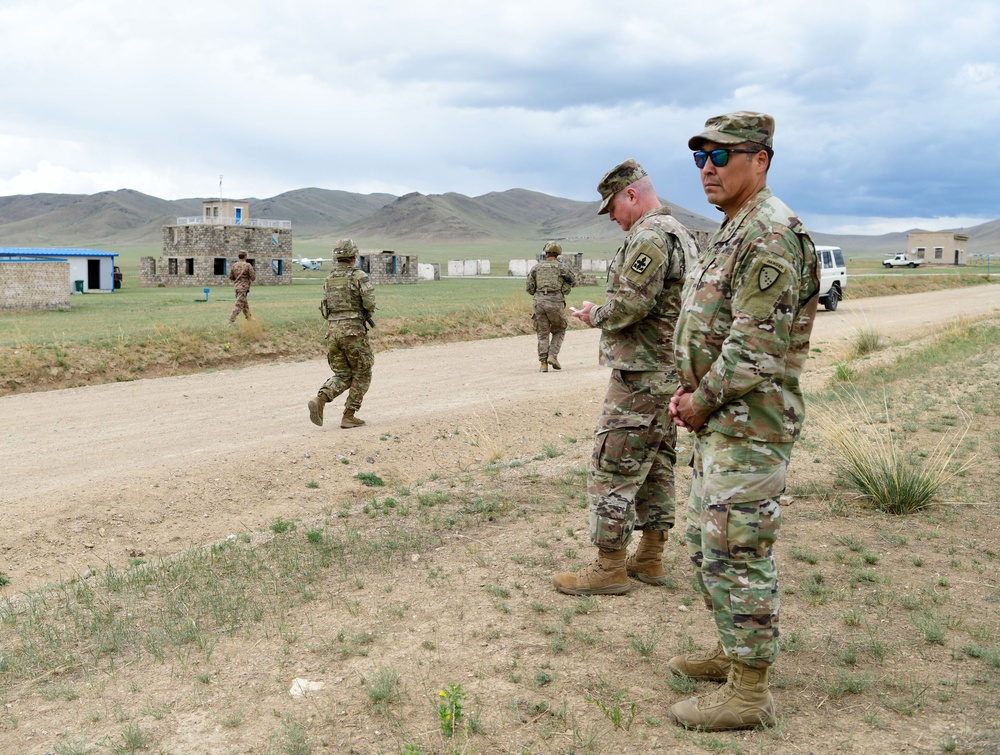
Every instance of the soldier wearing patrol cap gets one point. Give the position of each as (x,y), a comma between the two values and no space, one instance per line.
(548,282)
(347,306)
(631,478)
(741,342)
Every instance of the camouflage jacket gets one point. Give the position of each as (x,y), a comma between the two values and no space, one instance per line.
(743,334)
(638,317)
(550,278)
(349,294)
(242,274)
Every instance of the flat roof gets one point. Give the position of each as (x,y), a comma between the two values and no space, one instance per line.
(24,251)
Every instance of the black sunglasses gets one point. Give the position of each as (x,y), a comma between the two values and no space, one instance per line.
(719,157)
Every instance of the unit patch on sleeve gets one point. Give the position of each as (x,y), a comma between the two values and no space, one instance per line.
(640,263)
(643,258)
(768,276)
(765,285)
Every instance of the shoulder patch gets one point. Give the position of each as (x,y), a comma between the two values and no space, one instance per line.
(767,276)
(764,287)
(643,257)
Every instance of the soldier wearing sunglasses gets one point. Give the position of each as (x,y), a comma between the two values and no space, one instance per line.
(742,339)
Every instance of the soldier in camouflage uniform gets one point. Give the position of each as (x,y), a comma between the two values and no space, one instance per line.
(242,274)
(741,342)
(631,480)
(348,304)
(548,282)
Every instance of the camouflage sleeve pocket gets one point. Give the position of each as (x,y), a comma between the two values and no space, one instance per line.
(621,442)
(765,285)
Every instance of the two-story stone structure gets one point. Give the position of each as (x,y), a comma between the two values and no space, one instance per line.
(200,250)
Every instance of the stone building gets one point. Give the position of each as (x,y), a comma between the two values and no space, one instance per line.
(29,282)
(200,250)
(388,267)
(76,271)
(938,247)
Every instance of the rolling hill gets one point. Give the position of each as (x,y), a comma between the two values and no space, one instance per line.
(127,217)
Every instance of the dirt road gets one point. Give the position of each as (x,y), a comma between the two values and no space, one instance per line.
(103,474)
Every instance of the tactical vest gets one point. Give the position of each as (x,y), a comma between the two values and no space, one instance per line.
(547,278)
(343,300)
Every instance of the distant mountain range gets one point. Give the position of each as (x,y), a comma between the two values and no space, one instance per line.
(127,217)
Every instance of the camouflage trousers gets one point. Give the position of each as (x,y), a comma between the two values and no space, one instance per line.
(241,306)
(733,518)
(631,481)
(550,321)
(351,359)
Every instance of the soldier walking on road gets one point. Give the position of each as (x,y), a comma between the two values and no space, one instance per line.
(242,274)
(348,304)
(741,342)
(548,282)
(631,481)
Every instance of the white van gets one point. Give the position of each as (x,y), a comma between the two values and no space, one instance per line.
(833,276)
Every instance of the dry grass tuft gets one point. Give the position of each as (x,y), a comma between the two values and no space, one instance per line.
(870,457)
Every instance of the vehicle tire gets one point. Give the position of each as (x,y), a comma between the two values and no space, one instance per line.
(832,299)
(912,264)
(887,265)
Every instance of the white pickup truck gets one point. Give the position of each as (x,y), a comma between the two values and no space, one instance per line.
(901,260)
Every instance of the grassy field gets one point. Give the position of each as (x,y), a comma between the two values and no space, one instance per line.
(147,332)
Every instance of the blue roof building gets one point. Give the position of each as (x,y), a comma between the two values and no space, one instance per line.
(90,270)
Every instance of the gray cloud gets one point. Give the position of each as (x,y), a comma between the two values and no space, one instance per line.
(882,110)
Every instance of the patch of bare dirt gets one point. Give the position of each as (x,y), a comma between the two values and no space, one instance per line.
(105,474)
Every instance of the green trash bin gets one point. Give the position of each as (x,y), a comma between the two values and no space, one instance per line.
(79,286)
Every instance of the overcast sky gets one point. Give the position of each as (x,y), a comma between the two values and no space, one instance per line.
(885,110)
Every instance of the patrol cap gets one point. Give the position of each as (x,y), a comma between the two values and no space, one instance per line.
(618,178)
(552,247)
(736,128)
(345,249)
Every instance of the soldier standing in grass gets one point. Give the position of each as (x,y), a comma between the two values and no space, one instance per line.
(548,282)
(631,480)
(348,304)
(741,342)
(242,275)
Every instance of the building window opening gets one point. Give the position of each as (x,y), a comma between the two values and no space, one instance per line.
(219,266)
(172,266)
(939,252)
(189,266)
(278,267)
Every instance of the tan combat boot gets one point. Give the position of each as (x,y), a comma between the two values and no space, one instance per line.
(743,702)
(646,564)
(349,420)
(543,365)
(316,409)
(706,665)
(554,362)
(606,576)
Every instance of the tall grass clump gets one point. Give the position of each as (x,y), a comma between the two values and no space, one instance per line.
(868,454)
(866,340)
